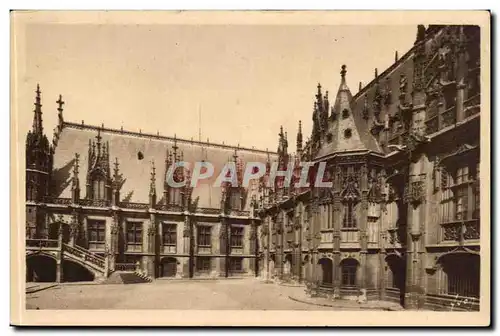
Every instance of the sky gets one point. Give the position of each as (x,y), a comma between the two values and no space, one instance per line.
(232,83)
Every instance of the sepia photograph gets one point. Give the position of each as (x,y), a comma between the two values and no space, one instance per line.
(263,168)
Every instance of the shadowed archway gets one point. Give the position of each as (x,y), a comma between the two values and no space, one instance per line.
(74,272)
(41,268)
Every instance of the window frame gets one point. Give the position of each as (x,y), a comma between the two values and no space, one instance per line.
(237,235)
(204,231)
(171,234)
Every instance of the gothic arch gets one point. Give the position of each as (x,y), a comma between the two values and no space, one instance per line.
(31,254)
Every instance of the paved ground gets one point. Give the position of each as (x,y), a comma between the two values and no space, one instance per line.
(207,294)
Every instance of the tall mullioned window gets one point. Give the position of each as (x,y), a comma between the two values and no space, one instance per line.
(97,231)
(98,189)
(236,236)
(169,234)
(349,221)
(134,236)
(204,236)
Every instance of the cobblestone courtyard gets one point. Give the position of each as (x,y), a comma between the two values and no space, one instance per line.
(175,294)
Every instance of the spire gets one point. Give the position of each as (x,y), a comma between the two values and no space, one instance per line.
(37,118)
(299,138)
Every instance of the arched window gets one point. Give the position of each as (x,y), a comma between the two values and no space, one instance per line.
(349,269)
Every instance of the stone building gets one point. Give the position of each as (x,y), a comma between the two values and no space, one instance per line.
(402,219)
(98,203)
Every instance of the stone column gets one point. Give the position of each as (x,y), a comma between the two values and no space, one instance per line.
(115,231)
(224,247)
(151,245)
(59,261)
(279,246)
(187,235)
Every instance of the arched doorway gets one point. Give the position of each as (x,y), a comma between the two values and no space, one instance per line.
(397,279)
(462,274)
(74,272)
(168,267)
(326,271)
(41,268)
(349,269)
(54,231)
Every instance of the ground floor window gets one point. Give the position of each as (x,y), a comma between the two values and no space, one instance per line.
(203,264)
(349,269)
(461,275)
(236,264)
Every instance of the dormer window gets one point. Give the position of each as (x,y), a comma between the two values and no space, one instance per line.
(345,113)
(98,190)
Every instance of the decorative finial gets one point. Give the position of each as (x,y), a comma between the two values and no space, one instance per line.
(396,56)
(360,86)
(38,90)
(77,160)
(319,88)
(376,72)
(60,102)
(300,126)
(116,169)
(343,71)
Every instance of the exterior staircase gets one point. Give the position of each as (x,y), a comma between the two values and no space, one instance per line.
(127,277)
(83,256)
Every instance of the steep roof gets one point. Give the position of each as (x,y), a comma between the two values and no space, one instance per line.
(125,146)
(347,130)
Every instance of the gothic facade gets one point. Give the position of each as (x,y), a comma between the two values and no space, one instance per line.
(98,206)
(401,220)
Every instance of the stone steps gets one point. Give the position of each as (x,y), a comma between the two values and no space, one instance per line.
(122,277)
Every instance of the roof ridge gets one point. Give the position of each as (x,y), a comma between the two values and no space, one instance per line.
(163,137)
